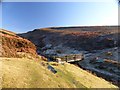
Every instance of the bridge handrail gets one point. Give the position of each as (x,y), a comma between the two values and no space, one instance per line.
(75,57)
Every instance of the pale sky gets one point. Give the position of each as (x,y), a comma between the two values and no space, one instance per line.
(26,16)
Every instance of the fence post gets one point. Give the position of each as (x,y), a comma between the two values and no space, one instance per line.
(66,58)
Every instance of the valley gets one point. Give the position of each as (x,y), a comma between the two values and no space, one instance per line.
(99,45)
(27,53)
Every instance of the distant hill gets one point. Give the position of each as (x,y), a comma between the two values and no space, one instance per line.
(79,38)
(12,44)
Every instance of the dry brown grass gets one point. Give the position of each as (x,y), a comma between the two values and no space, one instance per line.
(29,73)
(11,44)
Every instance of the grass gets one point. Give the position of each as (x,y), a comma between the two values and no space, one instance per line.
(7,32)
(84,78)
(11,45)
(30,73)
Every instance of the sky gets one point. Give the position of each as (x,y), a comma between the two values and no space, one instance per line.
(21,17)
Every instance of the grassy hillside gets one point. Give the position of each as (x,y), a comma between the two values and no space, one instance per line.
(13,44)
(32,73)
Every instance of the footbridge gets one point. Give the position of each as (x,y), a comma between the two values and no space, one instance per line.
(68,57)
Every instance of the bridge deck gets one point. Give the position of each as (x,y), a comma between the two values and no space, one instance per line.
(71,58)
(74,60)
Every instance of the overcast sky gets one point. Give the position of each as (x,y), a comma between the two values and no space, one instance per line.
(26,16)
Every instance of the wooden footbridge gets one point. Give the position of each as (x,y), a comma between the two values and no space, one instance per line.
(68,57)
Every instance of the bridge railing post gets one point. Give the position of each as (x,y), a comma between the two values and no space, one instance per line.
(66,58)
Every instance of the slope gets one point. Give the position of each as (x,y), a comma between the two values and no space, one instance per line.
(12,44)
(23,68)
(27,73)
